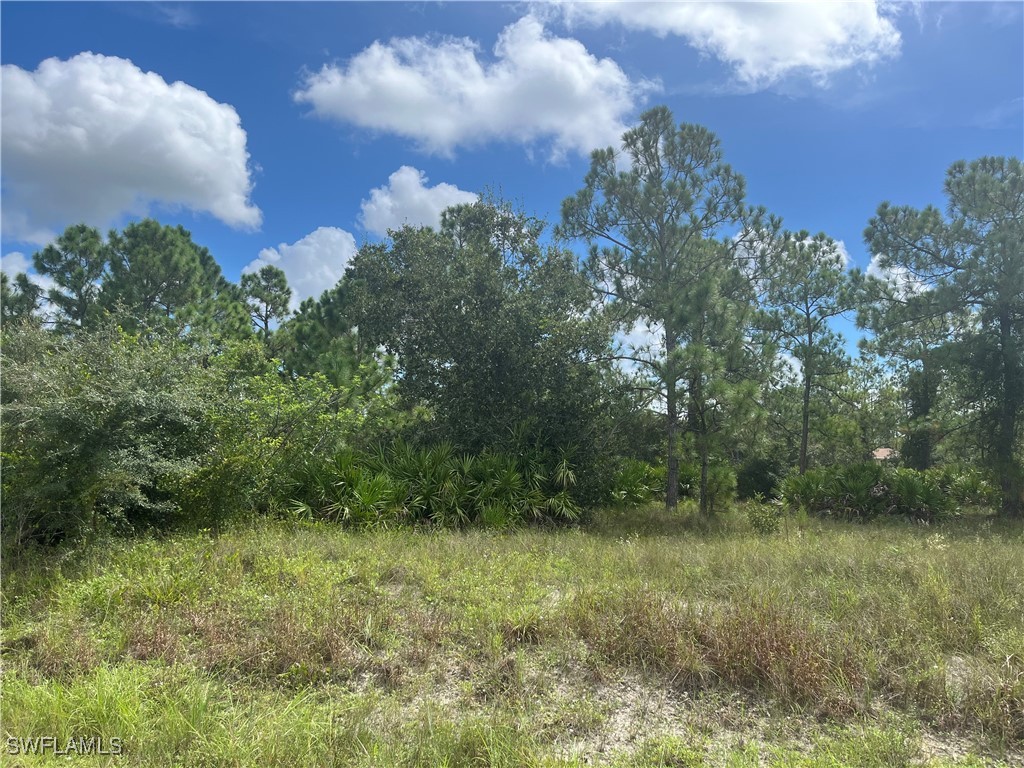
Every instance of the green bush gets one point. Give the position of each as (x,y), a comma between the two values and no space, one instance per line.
(966,486)
(865,491)
(406,484)
(637,482)
(130,432)
(759,476)
(99,429)
(764,518)
(721,482)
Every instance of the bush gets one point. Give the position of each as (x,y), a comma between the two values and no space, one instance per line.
(98,428)
(637,482)
(721,482)
(764,518)
(966,486)
(134,432)
(865,491)
(405,484)
(759,476)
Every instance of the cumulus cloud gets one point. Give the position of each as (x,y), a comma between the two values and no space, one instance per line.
(406,199)
(313,264)
(762,42)
(443,94)
(95,137)
(14,262)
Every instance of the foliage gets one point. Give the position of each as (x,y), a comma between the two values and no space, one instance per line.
(637,482)
(98,427)
(966,486)
(76,261)
(655,261)
(148,275)
(759,476)
(764,518)
(137,432)
(865,491)
(719,483)
(264,425)
(267,296)
(18,301)
(491,331)
(405,484)
(965,271)
(807,286)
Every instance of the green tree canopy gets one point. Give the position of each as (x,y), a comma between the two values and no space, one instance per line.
(661,256)
(966,269)
(807,287)
(268,296)
(77,262)
(491,330)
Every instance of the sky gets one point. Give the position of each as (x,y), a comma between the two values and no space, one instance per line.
(291,133)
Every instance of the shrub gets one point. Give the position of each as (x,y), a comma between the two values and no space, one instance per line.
(764,518)
(966,486)
(402,483)
(134,432)
(759,476)
(721,482)
(98,428)
(637,482)
(865,491)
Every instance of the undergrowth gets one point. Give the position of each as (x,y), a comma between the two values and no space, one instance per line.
(643,639)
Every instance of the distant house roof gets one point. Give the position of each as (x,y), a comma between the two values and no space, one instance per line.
(884,454)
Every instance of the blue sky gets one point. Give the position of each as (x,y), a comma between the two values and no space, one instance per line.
(290,133)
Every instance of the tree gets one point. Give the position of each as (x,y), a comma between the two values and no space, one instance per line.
(77,262)
(808,287)
(268,296)
(490,330)
(19,301)
(968,271)
(655,261)
(159,276)
(321,337)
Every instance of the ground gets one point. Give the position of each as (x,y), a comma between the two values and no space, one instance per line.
(637,639)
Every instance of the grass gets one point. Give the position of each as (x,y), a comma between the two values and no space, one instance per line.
(640,639)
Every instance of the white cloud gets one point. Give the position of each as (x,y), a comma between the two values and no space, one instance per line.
(762,41)
(14,262)
(844,254)
(406,199)
(443,94)
(95,137)
(313,264)
(903,283)
(789,369)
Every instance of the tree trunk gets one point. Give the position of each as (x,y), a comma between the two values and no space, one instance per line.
(695,423)
(805,421)
(1010,480)
(672,429)
(705,500)
(922,387)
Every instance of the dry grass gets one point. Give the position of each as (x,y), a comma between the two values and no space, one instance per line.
(639,640)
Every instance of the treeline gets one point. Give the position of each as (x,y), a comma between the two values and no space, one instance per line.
(481,371)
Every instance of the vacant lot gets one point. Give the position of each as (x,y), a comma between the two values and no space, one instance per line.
(635,640)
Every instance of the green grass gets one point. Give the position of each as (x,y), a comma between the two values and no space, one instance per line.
(640,639)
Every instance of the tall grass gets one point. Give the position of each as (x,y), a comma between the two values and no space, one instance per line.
(639,640)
